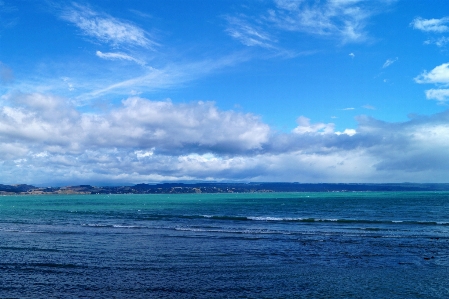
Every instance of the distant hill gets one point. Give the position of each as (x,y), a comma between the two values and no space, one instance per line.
(16,188)
(166,188)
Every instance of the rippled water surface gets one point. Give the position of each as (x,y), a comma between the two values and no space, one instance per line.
(273,245)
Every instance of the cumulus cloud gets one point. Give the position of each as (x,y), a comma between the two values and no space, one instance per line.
(137,123)
(441,95)
(107,29)
(43,137)
(431,25)
(439,74)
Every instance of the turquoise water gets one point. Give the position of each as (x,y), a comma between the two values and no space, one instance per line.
(265,245)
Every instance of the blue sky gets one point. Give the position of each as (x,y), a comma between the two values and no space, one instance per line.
(281,90)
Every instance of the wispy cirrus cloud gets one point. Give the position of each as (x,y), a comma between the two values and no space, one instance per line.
(341,20)
(345,20)
(389,62)
(156,79)
(107,29)
(248,34)
(7,15)
(369,107)
(118,56)
(439,42)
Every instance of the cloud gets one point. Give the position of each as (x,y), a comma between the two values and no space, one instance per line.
(352,55)
(343,19)
(248,34)
(118,56)
(136,123)
(304,126)
(439,75)
(6,74)
(45,139)
(370,107)
(431,25)
(153,79)
(7,15)
(439,42)
(389,62)
(441,95)
(107,29)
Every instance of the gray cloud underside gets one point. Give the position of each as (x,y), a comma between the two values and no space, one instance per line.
(45,139)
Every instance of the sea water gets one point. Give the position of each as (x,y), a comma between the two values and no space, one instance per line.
(250,245)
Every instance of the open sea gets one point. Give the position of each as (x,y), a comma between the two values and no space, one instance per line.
(247,245)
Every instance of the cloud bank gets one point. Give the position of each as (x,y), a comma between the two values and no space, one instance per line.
(45,140)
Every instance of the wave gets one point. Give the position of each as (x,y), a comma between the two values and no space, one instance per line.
(234,231)
(101,225)
(28,249)
(157,217)
(334,220)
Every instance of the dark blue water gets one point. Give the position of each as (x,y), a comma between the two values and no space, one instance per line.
(279,245)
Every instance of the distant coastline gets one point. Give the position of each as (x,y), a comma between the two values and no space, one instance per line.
(178,188)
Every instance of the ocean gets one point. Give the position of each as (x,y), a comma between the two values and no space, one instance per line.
(247,245)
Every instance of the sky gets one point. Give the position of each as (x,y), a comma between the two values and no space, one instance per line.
(125,92)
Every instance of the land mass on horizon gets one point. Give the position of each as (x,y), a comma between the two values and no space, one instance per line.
(177,188)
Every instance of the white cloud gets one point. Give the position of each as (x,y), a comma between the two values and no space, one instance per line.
(439,42)
(248,34)
(304,126)
(344,19)
(431,25)
(370,107)
(389,62)
(349,132)
(119,56)
(70,85)
(107,29)
(441,95)
(439,75)
(44,140)
(153,79)
(137,123)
